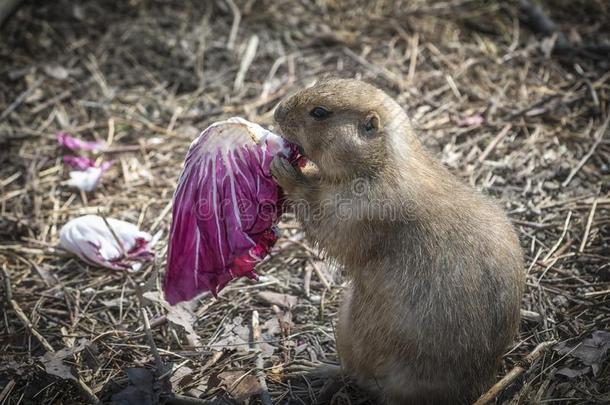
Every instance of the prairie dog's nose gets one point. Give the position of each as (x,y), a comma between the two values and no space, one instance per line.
(280,113)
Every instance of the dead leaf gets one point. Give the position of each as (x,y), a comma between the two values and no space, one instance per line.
(571,373)
(282,300)
(183,316)
(235,336)
(239,385)
(272,326)
(144,387)
(181,377)
(140,389)
(54,361)
(180,314)
(592,351)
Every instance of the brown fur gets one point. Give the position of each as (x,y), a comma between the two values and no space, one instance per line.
(435,268)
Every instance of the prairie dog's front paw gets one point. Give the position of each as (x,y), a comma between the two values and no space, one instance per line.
(285,174)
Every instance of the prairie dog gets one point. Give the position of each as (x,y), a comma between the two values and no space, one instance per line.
(435,268)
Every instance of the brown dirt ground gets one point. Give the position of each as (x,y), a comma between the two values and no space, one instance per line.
(148,75)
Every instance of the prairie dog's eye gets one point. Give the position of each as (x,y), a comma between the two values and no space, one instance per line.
(371,125)
(320,113)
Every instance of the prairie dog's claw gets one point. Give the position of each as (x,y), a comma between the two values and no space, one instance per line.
(284,173)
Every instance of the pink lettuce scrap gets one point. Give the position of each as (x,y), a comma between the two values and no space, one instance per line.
(224,209)
(72,143)
(109,243)
(86,174)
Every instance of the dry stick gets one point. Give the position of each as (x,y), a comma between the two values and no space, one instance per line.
(494,142)
(599,136)
(596,293)
(7,390)
(307,281)
(8,290)
(307,248)
(151,340)
(588,227)
(234,25)
(381,71)
(320,275)
(285,327)
(115,236)
(140,122)
(558,243)
(26,322)
(514,373)
(260,373)
(414,44)
(20,99)
(531,315)
(246,61)
(147,330)
(161,216)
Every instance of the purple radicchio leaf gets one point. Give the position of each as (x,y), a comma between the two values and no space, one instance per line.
(80,163)
(225,206)
(73,143)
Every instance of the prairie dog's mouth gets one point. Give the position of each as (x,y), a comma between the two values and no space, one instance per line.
(296,153)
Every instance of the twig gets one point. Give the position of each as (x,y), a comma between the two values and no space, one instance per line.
(531,315)
(234,25)
(161,216)
(20,99)
(26,322)
(8,290)
(414,44)
(7,390)
(246,61)
(321,275)
(151,340)
(599,135)
(307,281)
(260,365)
(514,373)
(307,248)
(115,236)
(558,243)
(530,107)
(494,142)
(596,293)
(379,70)
(588,227)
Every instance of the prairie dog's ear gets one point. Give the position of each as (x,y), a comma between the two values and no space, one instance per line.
(371,125)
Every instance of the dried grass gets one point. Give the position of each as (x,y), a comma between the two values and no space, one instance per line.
(146,76)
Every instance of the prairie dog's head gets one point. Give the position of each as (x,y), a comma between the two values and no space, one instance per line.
(348,128)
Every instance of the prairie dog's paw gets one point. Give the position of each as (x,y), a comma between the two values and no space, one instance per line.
(284,173)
